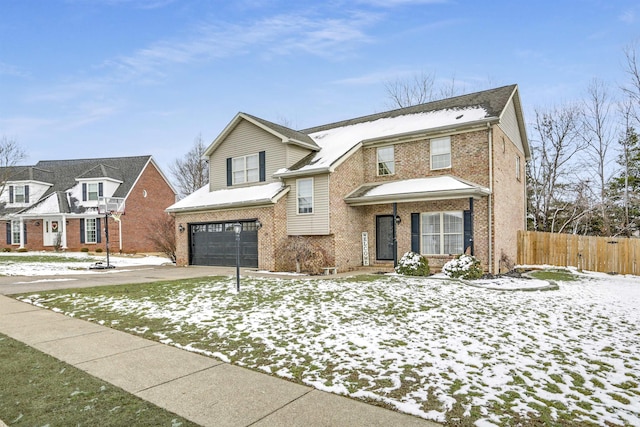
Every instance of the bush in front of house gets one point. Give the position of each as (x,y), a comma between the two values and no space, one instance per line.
(84,250)
(464,267)
(98,250)
(302,255)
(413,264)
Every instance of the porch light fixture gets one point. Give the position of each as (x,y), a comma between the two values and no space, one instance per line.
(181,228)
(258,224)
(398,219)
(237,228)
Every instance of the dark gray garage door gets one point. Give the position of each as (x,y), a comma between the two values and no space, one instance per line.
(214,243)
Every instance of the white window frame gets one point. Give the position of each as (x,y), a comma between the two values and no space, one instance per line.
(437,154)
(299,196)
(93,191)
(385,165)
(19,194)
(88,229)
(16,227)
(241,172)
(441,233)
(518,167)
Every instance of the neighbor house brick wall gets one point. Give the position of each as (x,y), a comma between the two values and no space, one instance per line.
(145,204)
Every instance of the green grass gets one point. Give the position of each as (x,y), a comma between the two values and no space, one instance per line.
(37,390)
(558,275)
(12,259)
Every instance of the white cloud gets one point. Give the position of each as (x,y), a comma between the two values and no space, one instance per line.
(628,16)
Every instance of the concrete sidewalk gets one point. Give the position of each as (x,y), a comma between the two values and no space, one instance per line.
(201,389)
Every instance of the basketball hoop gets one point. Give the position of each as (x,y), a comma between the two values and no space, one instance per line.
(109,207)
(116,215)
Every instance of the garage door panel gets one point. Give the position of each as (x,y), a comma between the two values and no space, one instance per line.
(215,244)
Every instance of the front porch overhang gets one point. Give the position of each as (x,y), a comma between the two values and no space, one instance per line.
(415,190)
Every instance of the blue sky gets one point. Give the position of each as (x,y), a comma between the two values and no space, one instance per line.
(94,78)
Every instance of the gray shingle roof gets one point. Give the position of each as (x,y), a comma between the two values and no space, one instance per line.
(493,101)
(283,130)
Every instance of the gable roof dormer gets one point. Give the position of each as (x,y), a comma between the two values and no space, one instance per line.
(285,134)
(101,171)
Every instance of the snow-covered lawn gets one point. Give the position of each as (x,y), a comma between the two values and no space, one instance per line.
(441,350)
(21,263)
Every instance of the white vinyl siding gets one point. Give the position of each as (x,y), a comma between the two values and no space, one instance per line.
(315,223)
(386,163)
(441,153)
(442,233)
(509,124)
(304,188)
(245,139)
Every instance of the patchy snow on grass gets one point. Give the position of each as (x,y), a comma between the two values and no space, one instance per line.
(438,349)
(80,265)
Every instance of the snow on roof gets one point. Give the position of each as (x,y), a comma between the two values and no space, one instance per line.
(203,198)
(433,187)
(336,142)
(49,205)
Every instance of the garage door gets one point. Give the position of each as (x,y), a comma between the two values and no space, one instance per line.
(214,243)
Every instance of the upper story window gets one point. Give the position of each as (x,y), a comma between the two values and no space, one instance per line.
(305,195)
(245,169)
(518,168)
(18,194)
(386,164)
(441,153)
(92,191)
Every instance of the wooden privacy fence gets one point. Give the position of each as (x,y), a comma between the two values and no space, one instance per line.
(604,254)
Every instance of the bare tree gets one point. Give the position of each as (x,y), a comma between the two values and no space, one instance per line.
(192,171)
(632,68)
(550,173)
(11,154)
(161,232)
(412,91)
(598,135)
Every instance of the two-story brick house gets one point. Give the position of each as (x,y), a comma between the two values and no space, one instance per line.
(440,178)
(54,203)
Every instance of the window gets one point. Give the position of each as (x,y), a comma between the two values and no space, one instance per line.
(386,164)
(441,153)
(442,233)
(90,230)
(15,232)
(92,191)
(18,194)
(518,168)
(305,195)
(245,169)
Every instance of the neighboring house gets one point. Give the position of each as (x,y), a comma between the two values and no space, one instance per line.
(440,178)
(55,203)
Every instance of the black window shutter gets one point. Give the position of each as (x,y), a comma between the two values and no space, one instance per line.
(8,232)
(263,173)
(11,194)
(415,233)
(25,234)
(468,232)
(84,193)
(229,175)
(26,194)
(100,189)
(82,229)
(98,231)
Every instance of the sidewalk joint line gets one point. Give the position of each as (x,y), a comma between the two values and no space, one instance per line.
(281,407)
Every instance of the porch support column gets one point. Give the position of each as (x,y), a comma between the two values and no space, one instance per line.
(395,238)
(63,234)
(21,232)
(471,225)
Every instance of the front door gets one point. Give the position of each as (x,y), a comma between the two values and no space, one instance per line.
(384,237)
(51,232)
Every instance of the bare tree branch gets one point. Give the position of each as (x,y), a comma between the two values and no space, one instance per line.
(192,171)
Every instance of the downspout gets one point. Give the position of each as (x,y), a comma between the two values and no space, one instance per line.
(394,235)
(490,197)
(63,227)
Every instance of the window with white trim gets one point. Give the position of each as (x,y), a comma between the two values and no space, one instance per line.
(305,195)
(18,194)
(92,191)
(90,230)
(442,233)
(518,168)
(386,163)
(441,153)
(245,169)
(15,232)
